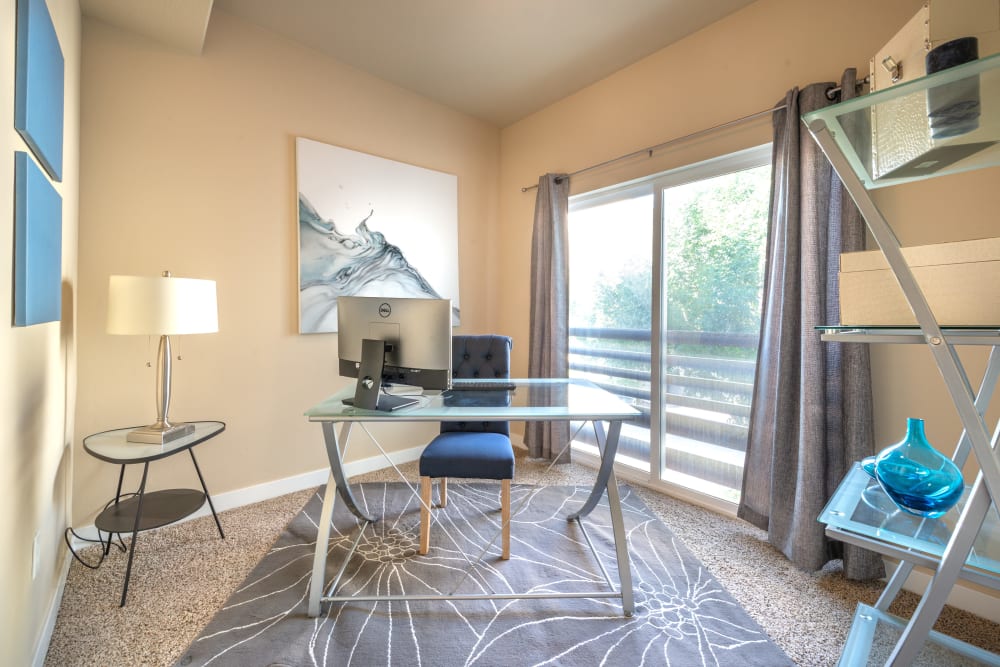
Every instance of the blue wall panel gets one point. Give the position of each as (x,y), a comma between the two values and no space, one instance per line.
(39,83)
(37,245)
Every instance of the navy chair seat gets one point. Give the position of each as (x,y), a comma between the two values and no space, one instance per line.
(468,454)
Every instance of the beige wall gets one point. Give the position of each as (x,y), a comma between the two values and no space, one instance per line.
(735,67)
(188,164)
(38,387)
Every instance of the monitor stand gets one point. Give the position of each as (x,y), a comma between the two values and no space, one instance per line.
(368,390)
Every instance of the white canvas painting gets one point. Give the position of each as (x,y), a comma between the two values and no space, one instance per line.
(369,226)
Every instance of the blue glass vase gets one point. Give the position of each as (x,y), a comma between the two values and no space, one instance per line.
(918,478)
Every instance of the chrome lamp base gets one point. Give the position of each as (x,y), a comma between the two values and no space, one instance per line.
(161,431)
(159,434)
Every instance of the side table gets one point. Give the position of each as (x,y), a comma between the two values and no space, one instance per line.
(144,511)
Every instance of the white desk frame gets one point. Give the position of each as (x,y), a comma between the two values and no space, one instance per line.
(532,400)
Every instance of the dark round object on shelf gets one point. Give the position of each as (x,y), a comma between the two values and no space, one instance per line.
(949,54)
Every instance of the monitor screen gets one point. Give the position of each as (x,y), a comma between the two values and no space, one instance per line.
(416,332)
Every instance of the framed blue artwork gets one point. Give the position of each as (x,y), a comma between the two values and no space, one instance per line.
(39,82)
(37,245)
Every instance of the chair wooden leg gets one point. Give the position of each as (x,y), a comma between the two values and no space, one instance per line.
(505,516)
(425,514)
(443,481)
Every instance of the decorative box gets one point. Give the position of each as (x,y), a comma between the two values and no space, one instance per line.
(903,142)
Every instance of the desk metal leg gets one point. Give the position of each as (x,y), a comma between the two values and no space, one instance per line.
(207,497)
(135,532)
(336,485)
(322,544)
(337,468)
(607,445)
(621,547)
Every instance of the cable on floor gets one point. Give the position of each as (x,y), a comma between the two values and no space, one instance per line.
(105,547)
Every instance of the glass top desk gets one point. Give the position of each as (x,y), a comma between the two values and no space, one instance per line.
(531,400)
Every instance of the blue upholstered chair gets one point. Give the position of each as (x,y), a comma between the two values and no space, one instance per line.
(476,450)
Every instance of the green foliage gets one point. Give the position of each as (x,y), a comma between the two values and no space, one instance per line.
(626,303)
(714,260)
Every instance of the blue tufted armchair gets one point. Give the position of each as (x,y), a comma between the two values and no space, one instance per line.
(476,450)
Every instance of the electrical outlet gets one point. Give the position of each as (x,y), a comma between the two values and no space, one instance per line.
(35,555)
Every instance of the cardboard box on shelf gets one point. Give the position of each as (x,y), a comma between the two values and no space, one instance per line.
(960,280)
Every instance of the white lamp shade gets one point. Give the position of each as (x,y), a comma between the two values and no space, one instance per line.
(142,305)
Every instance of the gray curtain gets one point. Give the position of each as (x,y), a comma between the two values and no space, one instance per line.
(548,344)
(811,414)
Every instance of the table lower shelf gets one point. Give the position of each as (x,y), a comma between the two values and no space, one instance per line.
(159,508)
(875,633)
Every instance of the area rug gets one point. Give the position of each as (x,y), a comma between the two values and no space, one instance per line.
(683,616)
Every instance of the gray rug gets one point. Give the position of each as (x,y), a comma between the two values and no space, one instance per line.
(684,617)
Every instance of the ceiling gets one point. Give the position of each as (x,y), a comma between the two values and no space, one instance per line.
(498,60)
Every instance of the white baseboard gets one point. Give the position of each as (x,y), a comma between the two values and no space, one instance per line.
(42,648)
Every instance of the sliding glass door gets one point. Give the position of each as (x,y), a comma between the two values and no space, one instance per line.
(665,286)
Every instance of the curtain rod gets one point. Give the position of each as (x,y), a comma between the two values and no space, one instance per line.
(831,93)
(649,150)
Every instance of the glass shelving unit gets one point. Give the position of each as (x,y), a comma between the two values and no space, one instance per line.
(861,513)
(899,135)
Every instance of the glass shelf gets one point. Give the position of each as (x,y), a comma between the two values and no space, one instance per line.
(861,508)
(956,335)
(889,137)
(874,634)
(903,329)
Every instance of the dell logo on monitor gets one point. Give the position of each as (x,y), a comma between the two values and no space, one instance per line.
(384,310)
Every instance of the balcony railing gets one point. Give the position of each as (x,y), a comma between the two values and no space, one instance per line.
(707,401)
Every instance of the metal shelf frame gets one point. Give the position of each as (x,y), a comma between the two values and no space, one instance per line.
(942,343)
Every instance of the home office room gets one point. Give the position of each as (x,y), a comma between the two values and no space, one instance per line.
(726,272)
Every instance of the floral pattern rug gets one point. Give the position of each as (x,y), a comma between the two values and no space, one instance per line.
(683,616)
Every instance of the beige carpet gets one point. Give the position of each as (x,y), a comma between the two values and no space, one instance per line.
(184,573)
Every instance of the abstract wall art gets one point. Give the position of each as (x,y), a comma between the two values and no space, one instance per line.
(369,226)
(37,245)
(38,86)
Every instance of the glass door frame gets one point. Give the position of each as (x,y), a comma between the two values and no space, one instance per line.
(655,185)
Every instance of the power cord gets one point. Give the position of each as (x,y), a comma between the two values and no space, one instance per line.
(105,547)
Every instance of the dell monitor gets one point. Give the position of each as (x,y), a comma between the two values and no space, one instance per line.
(393,340)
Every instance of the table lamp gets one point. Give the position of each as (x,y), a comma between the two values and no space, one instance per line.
(164,306)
